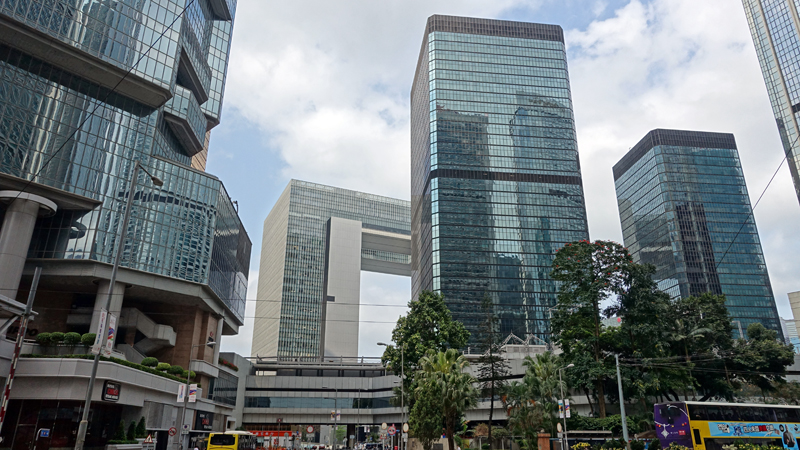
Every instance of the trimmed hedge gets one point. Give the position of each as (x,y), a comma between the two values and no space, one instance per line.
(150,362)
(175,370)
(72,338)
(88,339)
(56,337)
(121,362)
(44,339)
(162,367)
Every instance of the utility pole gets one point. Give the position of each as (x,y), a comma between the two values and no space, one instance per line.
(565,442)
(622,407)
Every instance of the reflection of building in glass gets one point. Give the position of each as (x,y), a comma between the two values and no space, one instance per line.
(775,27)
(790,335)
(88,89)
(317,240)
(496,185)
(794,302)
(682,199)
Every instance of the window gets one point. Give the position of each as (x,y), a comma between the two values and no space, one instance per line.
(222,439)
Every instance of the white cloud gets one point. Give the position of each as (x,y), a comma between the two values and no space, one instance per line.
(687,65)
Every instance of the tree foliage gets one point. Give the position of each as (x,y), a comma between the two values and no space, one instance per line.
(443,373)
(428,326)
(425,417)
(493,368)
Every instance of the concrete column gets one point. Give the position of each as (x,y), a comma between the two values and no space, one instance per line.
(100,302)
(15,235)
(217,339)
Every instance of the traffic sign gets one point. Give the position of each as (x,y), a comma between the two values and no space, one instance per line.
(405,428)
(383,426)
(148,439)
(392,430)
(310,429)
(173,431)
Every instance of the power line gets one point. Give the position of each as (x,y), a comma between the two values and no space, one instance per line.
(102,102)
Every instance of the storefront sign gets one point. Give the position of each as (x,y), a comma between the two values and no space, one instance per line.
(111,391)
(204,421)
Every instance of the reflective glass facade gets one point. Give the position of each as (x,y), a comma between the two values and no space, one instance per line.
(495,178)
(682,199)
(775,27)
(293,261)
(63,131)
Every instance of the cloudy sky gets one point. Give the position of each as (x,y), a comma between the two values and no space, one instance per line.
(319,91)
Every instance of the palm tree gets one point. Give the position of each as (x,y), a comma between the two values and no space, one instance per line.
(524,418)
(443,373)
(684,334)
(541,376)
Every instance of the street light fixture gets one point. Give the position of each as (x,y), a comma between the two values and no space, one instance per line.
(402,391)
(84,424)
(564,442)
(188,380)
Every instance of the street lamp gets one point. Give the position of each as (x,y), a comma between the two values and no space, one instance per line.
(188,380)
(402,391)
(84,424)
(564,442)
(335,413)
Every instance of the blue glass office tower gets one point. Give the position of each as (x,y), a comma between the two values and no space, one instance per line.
(775,27)
(87,88)
(682,199)
(496,186)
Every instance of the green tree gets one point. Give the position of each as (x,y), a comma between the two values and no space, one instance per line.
(524,418)
(589,272)
(544,387)
(425,418)
(428,326)
(131,434)
(444,374)
(493,368)
(762,359)
(120,433)
(141,431)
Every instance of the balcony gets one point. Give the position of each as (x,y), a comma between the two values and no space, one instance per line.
(186,119)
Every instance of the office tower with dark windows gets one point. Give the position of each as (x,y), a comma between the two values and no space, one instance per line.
(775,28)
(317,240)
(495,178)
(88,89)
(684,208)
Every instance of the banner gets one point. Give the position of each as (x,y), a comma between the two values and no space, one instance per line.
(181,393)
(98,339)
(333,415)
(192,393)
(566,408)
(112,333)
(560,409)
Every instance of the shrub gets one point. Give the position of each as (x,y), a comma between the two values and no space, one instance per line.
(187,373)
(72,338)
(674,446)
(485,447)
(120,434)
(141,431)
(228,364)
(655,444)
(613,444)
(175,370)
(88,339)
(131,434)
(581,446)
(637,445)
(57,337)
(162,367)
(43,339)
(150,362)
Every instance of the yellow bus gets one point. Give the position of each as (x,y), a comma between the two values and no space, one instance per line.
(710,425)
(232,440)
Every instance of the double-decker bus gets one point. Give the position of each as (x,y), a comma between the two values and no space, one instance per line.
(710,425)
(232,440)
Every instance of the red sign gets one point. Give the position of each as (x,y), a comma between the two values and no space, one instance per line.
(173,431)
(272,433)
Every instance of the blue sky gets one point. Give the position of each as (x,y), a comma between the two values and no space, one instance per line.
(319,91)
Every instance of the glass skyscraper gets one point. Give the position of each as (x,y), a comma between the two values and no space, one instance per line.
(775,27)
(682,200)
(303,277)
(496,186)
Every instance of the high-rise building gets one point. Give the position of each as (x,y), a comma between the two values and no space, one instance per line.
(496,186)
(775,27)
(89,89)
(684,208)
(317,240)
